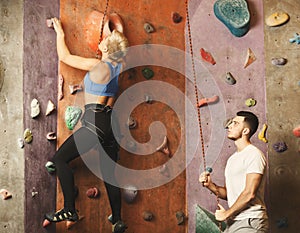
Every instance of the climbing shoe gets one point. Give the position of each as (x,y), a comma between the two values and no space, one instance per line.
(119,227)
(62,215)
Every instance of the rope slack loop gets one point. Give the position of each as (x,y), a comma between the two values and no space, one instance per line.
(98,55)
(197,95)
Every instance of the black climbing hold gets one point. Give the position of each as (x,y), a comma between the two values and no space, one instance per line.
(147,73)
(176,17)
(230,79)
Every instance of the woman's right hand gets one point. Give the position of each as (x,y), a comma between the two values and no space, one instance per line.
(205,179)
(58,27)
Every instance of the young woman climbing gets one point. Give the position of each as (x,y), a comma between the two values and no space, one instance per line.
(101,87)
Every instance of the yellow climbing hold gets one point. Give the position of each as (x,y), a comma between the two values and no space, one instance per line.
(277,18)
(262,134)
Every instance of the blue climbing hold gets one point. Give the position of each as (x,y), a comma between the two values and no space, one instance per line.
(234,14)
(295,39)
(209,169)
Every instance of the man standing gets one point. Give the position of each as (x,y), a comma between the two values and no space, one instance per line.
(245,175)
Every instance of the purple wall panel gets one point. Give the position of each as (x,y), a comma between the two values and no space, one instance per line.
(229,53)
(40,82)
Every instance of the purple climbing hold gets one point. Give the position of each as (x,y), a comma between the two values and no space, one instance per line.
(280,147)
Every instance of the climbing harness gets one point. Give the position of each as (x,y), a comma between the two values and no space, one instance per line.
(196,93)
(98,53)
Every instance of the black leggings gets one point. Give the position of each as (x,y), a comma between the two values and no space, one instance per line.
(81,141)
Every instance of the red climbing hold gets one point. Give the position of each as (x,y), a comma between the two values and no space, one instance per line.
(206,101)
(206,56)
(296,131)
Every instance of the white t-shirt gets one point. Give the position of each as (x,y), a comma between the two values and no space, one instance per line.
(249,160)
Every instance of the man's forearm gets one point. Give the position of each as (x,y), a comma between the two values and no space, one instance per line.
(218,191)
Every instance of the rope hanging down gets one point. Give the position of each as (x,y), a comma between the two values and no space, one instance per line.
(195,83)
(196,93)
(98,53)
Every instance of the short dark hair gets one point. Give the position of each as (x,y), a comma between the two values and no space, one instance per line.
(251,120)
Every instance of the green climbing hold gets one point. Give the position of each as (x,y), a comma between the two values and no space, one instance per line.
(50,167)
(234,14)
(147,73)
(206,221)
(72,116)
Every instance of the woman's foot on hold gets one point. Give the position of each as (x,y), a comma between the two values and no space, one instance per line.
(62,215)
(119,227)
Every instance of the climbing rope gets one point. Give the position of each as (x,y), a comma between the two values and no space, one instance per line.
(196,93)
(98,53)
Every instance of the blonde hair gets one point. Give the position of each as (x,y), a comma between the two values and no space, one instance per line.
(117,45)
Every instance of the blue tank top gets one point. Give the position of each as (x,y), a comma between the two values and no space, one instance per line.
(108,89)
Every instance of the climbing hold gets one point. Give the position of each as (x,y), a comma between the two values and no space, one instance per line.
(20,142)
(72,115)
(227,123)
(147,73)
(295,39)
(93,192)
(164,170)
(180,216)
(27,136)
(206,222)
(129,194)
(230,79)
(51,136)
(148,216)
(277,19)
(148,99)
(34,193)
(50,167)
(93,23)
(50,107)
(234,14)
(250,102)
(131,123)
(60,87)
(74,88)
(282,223)
(206,56)
(250,58)
(176,17)
(5,194)
(209,169)
(148,28)
(296,131)
(35,108)
(262,134)
(164,147)
(280,61)
(49,23)
(206,101)
(280,147)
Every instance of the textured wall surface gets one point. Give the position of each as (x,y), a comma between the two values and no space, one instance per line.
(229,53)
(11,115)
(283,114)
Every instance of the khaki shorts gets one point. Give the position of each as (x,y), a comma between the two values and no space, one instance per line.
(249,225)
